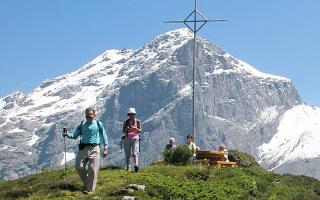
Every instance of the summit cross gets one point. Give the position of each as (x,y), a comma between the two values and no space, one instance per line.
(195,18)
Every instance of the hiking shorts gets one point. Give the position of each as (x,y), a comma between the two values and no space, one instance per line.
(131,147)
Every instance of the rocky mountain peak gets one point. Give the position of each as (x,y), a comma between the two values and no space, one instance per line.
(12,100)
(174,36)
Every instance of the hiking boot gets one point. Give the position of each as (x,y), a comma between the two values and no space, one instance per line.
(136,168)
(85,190)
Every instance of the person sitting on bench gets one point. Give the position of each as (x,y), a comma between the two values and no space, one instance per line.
(222,149)
(192,146)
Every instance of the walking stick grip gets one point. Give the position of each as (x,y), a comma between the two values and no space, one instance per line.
(64,132)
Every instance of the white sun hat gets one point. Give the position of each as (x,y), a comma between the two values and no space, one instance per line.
(172,140)
(131,111)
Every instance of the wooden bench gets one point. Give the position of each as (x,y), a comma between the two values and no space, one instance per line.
(210,155)
(221,164)
(213,158)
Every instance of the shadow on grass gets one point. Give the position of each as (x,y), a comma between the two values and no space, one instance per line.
(65,186)
(110,167)
(17,194)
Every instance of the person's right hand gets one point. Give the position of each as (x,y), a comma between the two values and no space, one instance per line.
(64,132)
(105,153)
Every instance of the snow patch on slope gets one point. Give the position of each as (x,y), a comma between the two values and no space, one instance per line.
(242,66)
(268,114)
(16,130)
(297,137)
(66,158)
(33,140)
(186,90)
(2,103)
(4,147)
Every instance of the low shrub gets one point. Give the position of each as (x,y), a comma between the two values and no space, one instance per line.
(243,159)
(179,156)
(198,174)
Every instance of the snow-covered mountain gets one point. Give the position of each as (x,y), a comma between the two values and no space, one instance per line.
(295,146)
(235,103)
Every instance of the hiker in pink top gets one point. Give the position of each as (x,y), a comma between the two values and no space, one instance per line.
(131,131)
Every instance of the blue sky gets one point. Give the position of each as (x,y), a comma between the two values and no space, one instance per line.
(41,39)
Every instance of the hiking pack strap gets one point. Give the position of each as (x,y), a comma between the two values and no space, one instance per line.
(100,129)
(137,121)
(138,124)
(80,129)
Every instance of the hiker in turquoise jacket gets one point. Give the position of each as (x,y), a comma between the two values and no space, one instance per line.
(92,135)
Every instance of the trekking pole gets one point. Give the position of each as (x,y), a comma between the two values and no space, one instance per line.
(139,144)
(65,151)
(65,158)
(65,155)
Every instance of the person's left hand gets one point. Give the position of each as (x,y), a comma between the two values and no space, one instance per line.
(105,153)
(136,128)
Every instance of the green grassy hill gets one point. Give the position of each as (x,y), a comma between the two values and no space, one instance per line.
(168,182)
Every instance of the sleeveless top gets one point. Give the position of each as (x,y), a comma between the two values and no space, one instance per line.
(132,133)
